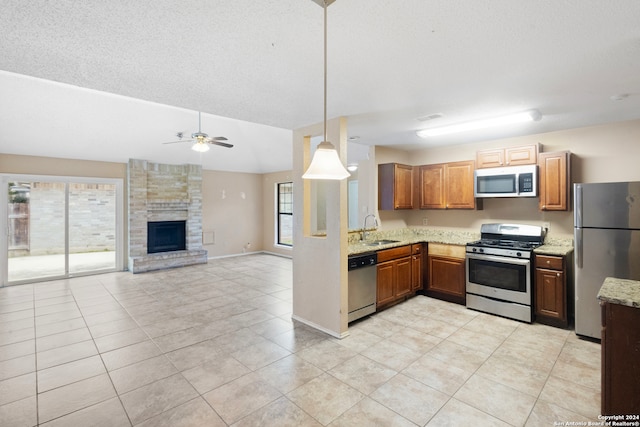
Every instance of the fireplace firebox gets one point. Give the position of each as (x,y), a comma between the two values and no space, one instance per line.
(166,236)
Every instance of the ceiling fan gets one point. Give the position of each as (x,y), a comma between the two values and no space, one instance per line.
(201,139)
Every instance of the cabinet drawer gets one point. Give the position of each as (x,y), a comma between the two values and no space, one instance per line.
(551,262)
(393,253)
(416,249)
(453,251)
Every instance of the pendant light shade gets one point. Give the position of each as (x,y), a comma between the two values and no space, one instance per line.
(326,163)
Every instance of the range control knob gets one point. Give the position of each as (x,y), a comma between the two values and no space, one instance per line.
(475,249)
(481,250)
(518,254)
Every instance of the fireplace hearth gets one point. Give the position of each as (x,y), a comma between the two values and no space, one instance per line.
(166,236)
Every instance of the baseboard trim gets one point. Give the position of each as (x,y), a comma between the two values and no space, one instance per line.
(320,328)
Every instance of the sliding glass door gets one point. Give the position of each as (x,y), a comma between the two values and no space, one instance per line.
(60,227)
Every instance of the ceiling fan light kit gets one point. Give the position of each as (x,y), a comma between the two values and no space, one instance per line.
(201,139)
(200,147)
(326,163)
(521,117)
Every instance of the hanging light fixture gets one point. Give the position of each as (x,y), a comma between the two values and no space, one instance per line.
(326,163)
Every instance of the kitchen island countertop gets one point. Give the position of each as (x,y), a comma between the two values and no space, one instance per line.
(620,291)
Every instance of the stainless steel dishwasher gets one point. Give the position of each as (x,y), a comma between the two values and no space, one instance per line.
(362,285)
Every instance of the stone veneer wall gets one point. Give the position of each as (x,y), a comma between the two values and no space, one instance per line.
(159,192)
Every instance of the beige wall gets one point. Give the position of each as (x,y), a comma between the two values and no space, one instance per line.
(320,263)
(237,219)
(233,209)
(269,225)
(605,153)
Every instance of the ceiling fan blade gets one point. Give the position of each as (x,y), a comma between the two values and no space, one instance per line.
(222,144)
(218,138)
(175,142)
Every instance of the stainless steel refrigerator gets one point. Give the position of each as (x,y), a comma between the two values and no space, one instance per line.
(607,244)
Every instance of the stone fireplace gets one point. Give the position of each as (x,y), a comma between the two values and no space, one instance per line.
(170,195)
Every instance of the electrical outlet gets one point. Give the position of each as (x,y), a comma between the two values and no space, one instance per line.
(546,226)
(425,221)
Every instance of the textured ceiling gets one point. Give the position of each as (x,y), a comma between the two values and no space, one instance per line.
(255,69)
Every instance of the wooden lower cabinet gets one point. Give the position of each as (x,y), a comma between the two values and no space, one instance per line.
(396,270)
(446,267)
(446,279)
(620,348)
(550,291)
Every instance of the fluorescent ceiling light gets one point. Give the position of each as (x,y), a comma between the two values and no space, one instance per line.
(527,116)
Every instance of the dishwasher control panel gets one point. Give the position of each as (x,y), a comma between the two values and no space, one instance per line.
(363,260)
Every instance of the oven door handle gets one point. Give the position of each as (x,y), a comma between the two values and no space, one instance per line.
(501,259)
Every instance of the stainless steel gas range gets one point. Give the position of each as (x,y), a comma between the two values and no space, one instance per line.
(499,270)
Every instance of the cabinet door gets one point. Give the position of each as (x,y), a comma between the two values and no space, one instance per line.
(446,275)
(395,186)
(403,187)
(416,272)
(490,158)
(459,185)
(527,155)
(403,277)
(385,282)
(550,294)
(432,187)
(554,181)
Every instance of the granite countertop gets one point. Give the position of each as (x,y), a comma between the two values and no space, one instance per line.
(560,250)
(560,246)
(410,236)
(620,291)
(552,246)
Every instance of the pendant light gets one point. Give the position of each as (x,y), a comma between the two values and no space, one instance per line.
(326,163)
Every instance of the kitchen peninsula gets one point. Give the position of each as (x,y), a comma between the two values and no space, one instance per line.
(620,302)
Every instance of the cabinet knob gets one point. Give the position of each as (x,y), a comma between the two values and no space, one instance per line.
(558,274)
(548,262)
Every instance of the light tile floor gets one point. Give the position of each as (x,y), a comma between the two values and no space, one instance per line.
(214,345)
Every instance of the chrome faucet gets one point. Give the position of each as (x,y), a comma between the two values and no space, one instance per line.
(365,233)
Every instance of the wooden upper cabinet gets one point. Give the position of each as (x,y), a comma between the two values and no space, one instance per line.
(447,186)
(432,187)
(514,156)
(395,186)
(490,158)
(458,177)
(555,174)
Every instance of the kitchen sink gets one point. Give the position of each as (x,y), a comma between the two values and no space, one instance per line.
(381,242)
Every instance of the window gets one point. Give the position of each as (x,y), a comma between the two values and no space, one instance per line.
(285,213)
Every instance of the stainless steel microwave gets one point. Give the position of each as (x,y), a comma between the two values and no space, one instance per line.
(510,181)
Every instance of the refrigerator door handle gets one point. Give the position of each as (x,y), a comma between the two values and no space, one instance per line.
(578,237)
(577,209)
